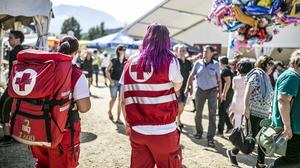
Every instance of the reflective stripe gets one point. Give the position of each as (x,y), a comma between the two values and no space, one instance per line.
(27,142)
(64,108)
(63,94)
(150,100)
(148,87)
(155,129)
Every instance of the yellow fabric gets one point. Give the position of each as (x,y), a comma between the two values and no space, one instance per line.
(265,3)
(240,16)
(293,11)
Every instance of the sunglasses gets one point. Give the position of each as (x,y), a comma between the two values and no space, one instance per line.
(270,63)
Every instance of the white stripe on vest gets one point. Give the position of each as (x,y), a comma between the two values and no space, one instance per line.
(150,100)
(148,87)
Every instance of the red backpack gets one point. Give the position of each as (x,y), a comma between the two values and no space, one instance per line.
(40,84)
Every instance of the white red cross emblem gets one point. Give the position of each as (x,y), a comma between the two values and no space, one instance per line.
(24,82)
(139,74)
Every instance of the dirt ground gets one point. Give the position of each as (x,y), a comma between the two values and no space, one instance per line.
(105,145)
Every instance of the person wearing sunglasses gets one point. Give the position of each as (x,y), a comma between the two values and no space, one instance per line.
(113,72)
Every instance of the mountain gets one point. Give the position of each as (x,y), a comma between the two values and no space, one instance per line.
(87,17)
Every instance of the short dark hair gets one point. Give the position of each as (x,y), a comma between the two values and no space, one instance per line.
(211,48)
(224,60)
(18,34)
(244,67)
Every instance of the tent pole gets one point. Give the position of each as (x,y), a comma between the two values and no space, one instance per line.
(230,52)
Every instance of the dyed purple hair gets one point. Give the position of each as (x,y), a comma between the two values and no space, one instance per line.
(156,48)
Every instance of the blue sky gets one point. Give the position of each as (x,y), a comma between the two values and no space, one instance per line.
(125,11)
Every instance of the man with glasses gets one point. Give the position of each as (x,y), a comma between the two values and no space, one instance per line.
(15,40)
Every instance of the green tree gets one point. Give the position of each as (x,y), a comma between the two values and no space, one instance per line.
(73,25)
(96,32)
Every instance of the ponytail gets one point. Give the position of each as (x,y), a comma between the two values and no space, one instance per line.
(65,48)
(68,45)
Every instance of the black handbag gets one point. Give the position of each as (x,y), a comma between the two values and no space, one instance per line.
(245,143)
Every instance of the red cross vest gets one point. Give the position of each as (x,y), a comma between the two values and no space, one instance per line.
(150,97)
(41,84)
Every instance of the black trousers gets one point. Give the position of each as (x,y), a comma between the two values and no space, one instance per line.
(292,158)
(5,107)
(223,115)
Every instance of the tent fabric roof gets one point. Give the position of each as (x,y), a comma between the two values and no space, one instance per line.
(113,40)
(13,10)
(186,22)
(17,8)
(177,15)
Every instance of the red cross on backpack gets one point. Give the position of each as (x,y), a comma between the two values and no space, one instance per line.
(40,84)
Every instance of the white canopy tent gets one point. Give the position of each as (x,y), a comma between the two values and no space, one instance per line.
(13,13)
(187,22)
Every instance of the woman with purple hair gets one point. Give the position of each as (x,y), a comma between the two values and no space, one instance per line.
(148,97)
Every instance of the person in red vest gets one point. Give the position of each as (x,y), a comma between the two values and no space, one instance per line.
(66,155)
(148,98)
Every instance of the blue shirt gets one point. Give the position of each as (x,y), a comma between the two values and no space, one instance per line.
(207,75)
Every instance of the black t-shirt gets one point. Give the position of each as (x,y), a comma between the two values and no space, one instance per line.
(117,68)
(86,65)
(13,57)
(225,73)
(185,69)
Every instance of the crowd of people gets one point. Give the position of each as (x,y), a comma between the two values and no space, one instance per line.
(152,88)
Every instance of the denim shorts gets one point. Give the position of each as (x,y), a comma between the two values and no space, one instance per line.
(115,90)
(182,98)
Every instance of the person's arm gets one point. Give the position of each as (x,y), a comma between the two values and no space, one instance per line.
(220,89)
(81,95)
(83,105)
(284,106)
(218,76)
(177,86)
(107,72)
(189,85)
(248,90)
(234,83)
(122,100)
(175,75)
(226,87)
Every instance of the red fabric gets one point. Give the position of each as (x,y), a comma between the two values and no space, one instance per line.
(31,54)
(49,76)
(161,150)
(59,157)
(145,114)
(53,158)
